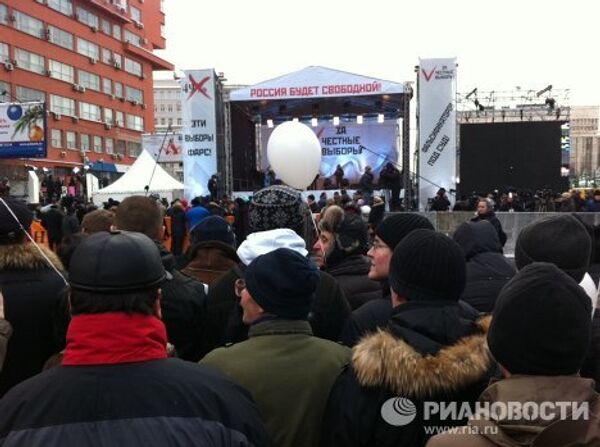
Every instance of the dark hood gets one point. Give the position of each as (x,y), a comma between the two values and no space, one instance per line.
(477,237)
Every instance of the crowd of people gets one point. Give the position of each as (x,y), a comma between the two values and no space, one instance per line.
(276,321)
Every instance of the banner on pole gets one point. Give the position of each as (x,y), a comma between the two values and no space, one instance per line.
(199,142)
(437,127)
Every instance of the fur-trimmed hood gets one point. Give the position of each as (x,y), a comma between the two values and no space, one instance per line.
(384,360)
(26,256)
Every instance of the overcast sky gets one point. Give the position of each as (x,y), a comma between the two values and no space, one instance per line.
(498,44)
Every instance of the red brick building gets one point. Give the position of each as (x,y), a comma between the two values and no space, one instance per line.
(91,62)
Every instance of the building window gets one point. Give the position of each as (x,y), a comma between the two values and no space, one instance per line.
(87,48)
(136,14)
(64,6)
(108,115)
(61,71)
(170,108)
(86,17)
(107,56)
(133,67)
(119,121)
(116,32)
(106,27)
(3,14)
(109,145)
(170,121)
(4,55)
(89,80)
(135,148)
(29,94)
(117,60)
(107,86)
(118,90)
(71,140)
(84,140)
(132,38)
(62,105)
(179,107)
(121,147)
(29,25)
(135,122)
(179,121)
(156,121)
(60,37)
(30,61)
(4,86)
(56,137)
(134,94)
(89,111)
(162,122)
(97,144)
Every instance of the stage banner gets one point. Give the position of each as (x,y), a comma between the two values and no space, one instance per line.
(171,146)
(437,127)
(199,143)
(22,130)
(353,146)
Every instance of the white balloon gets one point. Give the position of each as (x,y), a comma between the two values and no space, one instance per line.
(294,153)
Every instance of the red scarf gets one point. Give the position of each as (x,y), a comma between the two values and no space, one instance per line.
(114,337)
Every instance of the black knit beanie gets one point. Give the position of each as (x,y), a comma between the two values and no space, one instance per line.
(541,324)
(561,240)
(395,227)
(428,266)
(283,283)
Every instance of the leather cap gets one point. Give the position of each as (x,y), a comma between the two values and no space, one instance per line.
(116,262)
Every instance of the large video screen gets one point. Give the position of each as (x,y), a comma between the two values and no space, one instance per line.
(520,155)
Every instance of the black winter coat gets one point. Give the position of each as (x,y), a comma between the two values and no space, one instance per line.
(591,365)
(52,222)
(351,274)
(183,306)
(32,303)
(491,218)
(431,351)
(367,319)
(224,325)
(487,268)
(160,403)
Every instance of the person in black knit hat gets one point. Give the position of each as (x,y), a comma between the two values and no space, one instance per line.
(431,350)
(539,335)
(376,313)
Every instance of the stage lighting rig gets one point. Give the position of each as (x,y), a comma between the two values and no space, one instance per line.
(544,90)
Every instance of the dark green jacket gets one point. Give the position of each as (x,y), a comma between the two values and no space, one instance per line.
(289,372)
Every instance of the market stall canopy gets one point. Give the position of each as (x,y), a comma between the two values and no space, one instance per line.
(134,181)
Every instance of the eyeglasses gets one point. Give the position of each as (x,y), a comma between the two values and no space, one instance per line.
(377,245)
(240,285)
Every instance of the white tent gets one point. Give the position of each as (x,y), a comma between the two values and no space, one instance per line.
(136,179)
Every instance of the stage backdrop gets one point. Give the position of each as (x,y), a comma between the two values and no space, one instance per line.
(199,131)
(354,146)
(523,155)
(28,139)
(437,127)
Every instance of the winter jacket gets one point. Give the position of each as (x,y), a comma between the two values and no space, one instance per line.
(351,274)
(367,319)
(491,218)
(282,363)
(329,312)
(591,364)
(5,333)
(70,225)
(52,222)
(440,204)
(541,432)
(183,306)
(100,398)
(210,260)
(430,351)
(32,303)
(366,182)
(487,268)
